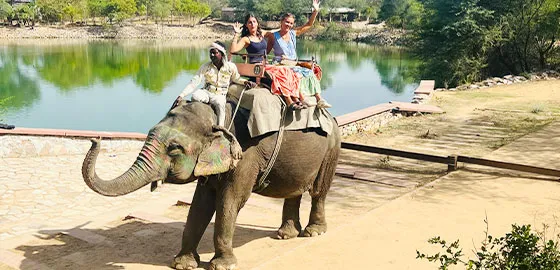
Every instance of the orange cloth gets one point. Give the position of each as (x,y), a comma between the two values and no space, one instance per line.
(318,72)
(285,81)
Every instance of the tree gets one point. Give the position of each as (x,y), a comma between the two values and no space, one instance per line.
(297,7)
(70,12)
(371,11)
(50,10)
(401,13)
(119,10)
(5,10)
(25,14)
(454,41)
(145,7)
(529,30)
(215,6)
(268,9)
(162,9)
(95,8)
(193,10)
(81,9)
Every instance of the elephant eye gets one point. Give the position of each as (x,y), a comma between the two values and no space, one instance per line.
(174,149)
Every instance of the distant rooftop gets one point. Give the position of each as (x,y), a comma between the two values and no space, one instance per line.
(14,2)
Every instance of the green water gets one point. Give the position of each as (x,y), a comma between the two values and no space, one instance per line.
(129,85)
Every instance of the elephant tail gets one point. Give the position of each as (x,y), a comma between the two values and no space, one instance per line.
(326,173)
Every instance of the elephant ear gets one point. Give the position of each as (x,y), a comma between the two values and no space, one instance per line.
(217,158)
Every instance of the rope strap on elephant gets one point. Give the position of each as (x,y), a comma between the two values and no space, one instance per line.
(262,182)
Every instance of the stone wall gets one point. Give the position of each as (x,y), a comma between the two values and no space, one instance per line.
(373,122)
(15,146)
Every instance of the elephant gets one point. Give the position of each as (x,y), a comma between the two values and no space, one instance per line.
(186,146)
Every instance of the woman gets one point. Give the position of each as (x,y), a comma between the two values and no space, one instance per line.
(284,81)
(284,44)
(252,39)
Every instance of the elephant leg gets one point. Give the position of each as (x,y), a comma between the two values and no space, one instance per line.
(231,199)
(290,227)
(200,213)
(317,221)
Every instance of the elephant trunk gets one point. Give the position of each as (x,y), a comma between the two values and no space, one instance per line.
(146,169)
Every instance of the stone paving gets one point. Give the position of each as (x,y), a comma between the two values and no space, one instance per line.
(40,192)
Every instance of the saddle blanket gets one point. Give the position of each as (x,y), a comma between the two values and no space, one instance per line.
(266,112)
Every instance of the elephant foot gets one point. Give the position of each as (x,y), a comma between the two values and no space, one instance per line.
(289,229)
(313,230)
(224,263)
(186,261)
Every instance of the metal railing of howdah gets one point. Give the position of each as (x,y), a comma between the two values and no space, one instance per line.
(451,161)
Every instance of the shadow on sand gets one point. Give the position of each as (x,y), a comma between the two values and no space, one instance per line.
(129,242)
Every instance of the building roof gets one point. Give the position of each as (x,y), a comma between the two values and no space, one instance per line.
(337,10)
(230,9)
(341,10)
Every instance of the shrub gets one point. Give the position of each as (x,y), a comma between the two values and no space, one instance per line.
(518,249)
(335,31)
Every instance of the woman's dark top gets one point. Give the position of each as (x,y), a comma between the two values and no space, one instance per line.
(256,48)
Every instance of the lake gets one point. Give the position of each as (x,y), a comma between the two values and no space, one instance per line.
(130,85)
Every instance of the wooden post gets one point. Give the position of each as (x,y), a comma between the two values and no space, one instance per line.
(452,163)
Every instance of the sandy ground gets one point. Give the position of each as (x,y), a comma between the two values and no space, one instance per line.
(371,225)
(514,110)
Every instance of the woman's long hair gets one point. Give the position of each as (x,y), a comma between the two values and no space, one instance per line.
(245,30)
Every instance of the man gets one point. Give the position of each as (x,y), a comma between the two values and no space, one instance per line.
(217,75)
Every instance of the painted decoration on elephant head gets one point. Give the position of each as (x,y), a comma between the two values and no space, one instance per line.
(215,159)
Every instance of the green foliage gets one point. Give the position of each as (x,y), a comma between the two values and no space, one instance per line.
(454,40)
(119,10)
(467,40)
(192,9)
(371,12)
(161,9)
(50,10)
(95,8)
(24,14)
(268,9)
(403,14)
(5,10)
(334,31)
(518,249)
(53,11)
(215,7)
(528,31)
(70,12)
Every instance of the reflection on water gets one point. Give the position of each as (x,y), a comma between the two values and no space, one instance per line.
(128,86)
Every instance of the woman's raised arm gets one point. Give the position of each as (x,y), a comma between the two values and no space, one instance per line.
(304,28)
(238,45)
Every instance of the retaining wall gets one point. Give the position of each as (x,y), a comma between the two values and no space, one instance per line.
(29,142)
